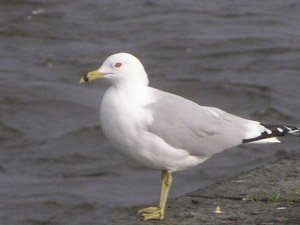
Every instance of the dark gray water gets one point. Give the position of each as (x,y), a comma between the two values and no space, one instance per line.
(55,165)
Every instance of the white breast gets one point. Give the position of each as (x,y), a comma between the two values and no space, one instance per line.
(122,117)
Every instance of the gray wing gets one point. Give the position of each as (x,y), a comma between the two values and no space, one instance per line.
(203,131)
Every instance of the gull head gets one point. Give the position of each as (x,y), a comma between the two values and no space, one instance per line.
(119,69)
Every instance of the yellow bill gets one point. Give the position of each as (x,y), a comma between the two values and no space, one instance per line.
(93,75)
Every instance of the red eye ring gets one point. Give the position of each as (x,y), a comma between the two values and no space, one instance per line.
(118,65)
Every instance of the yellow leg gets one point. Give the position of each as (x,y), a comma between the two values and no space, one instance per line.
(158,213)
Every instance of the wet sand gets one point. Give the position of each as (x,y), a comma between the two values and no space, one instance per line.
(266,195)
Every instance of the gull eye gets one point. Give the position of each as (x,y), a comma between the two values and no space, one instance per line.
(118,65)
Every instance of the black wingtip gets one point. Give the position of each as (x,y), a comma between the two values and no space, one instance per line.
(275,131)
(282,130)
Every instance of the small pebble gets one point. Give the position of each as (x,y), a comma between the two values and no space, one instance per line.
(218,210)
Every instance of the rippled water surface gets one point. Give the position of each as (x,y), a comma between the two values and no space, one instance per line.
(56,166)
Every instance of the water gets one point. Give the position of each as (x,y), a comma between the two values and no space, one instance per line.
(57,168)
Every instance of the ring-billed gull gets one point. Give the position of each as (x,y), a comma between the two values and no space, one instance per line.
(165,131)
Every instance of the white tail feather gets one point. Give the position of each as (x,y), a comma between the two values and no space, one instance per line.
(266,141)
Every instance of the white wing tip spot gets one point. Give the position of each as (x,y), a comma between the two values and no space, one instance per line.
(279,129)
(268,131)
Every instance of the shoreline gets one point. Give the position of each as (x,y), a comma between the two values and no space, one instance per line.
(263,196)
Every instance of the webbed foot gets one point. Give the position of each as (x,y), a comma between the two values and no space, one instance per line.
(152,213)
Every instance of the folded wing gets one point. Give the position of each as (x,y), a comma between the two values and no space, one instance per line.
(202,131)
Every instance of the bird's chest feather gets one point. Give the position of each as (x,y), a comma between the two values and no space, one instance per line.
(122,117)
